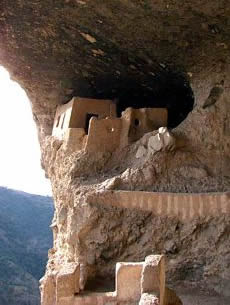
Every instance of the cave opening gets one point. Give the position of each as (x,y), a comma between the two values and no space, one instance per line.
(165,89)
(22,170)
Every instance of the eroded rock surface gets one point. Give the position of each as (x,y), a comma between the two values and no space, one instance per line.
(124,49)
(98,236)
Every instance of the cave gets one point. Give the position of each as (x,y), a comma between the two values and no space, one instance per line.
(139,54)
(165,89)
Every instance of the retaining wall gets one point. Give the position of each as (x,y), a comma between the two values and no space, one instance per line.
(184,206)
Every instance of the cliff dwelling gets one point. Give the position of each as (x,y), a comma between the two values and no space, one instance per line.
(131,101)
(93,125)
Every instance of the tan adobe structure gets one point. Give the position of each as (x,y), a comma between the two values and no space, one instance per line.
(134,284)
(77,114)
(92,125)
(144,120)
(184,206)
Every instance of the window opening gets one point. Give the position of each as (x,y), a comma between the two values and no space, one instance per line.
(88,117)
(58,121)
(63,120)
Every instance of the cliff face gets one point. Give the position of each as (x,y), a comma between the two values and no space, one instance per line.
(135,51)
(99,235)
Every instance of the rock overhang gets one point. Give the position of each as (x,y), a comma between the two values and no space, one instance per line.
(56,50)
(96,49)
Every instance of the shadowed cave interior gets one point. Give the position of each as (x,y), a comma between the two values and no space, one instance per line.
(99,284)
(163,90)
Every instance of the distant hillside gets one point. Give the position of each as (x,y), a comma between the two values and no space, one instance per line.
(25,238)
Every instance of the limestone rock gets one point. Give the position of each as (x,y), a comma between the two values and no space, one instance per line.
(163,140)
(149,299)
(62,215)
(193,172)
(214,96)
(167,138)
(112,184)
(155,143)
(141,152)
(149,175)
(170,246)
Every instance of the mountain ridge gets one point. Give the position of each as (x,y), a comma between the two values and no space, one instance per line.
(25,238)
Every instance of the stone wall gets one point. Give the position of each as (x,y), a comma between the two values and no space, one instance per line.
(144,120)
(74,139)
(104,135)
(183,206)
(82,106)
(133,282)
(62,119)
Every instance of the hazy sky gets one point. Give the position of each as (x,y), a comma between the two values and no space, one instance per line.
(19,149)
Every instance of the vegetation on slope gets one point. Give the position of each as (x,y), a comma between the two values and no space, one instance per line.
(25,238)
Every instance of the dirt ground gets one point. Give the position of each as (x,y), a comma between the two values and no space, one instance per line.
(194,297)
(204,300)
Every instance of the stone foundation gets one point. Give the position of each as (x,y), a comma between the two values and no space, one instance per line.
(141,283)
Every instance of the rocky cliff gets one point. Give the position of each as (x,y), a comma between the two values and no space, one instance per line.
(141,53)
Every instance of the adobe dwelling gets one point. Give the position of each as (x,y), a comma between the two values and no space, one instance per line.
(78,112)
(93,125)
(72,120)
(135,283)
(144,120)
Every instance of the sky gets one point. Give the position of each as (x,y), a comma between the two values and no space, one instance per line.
(19,149)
